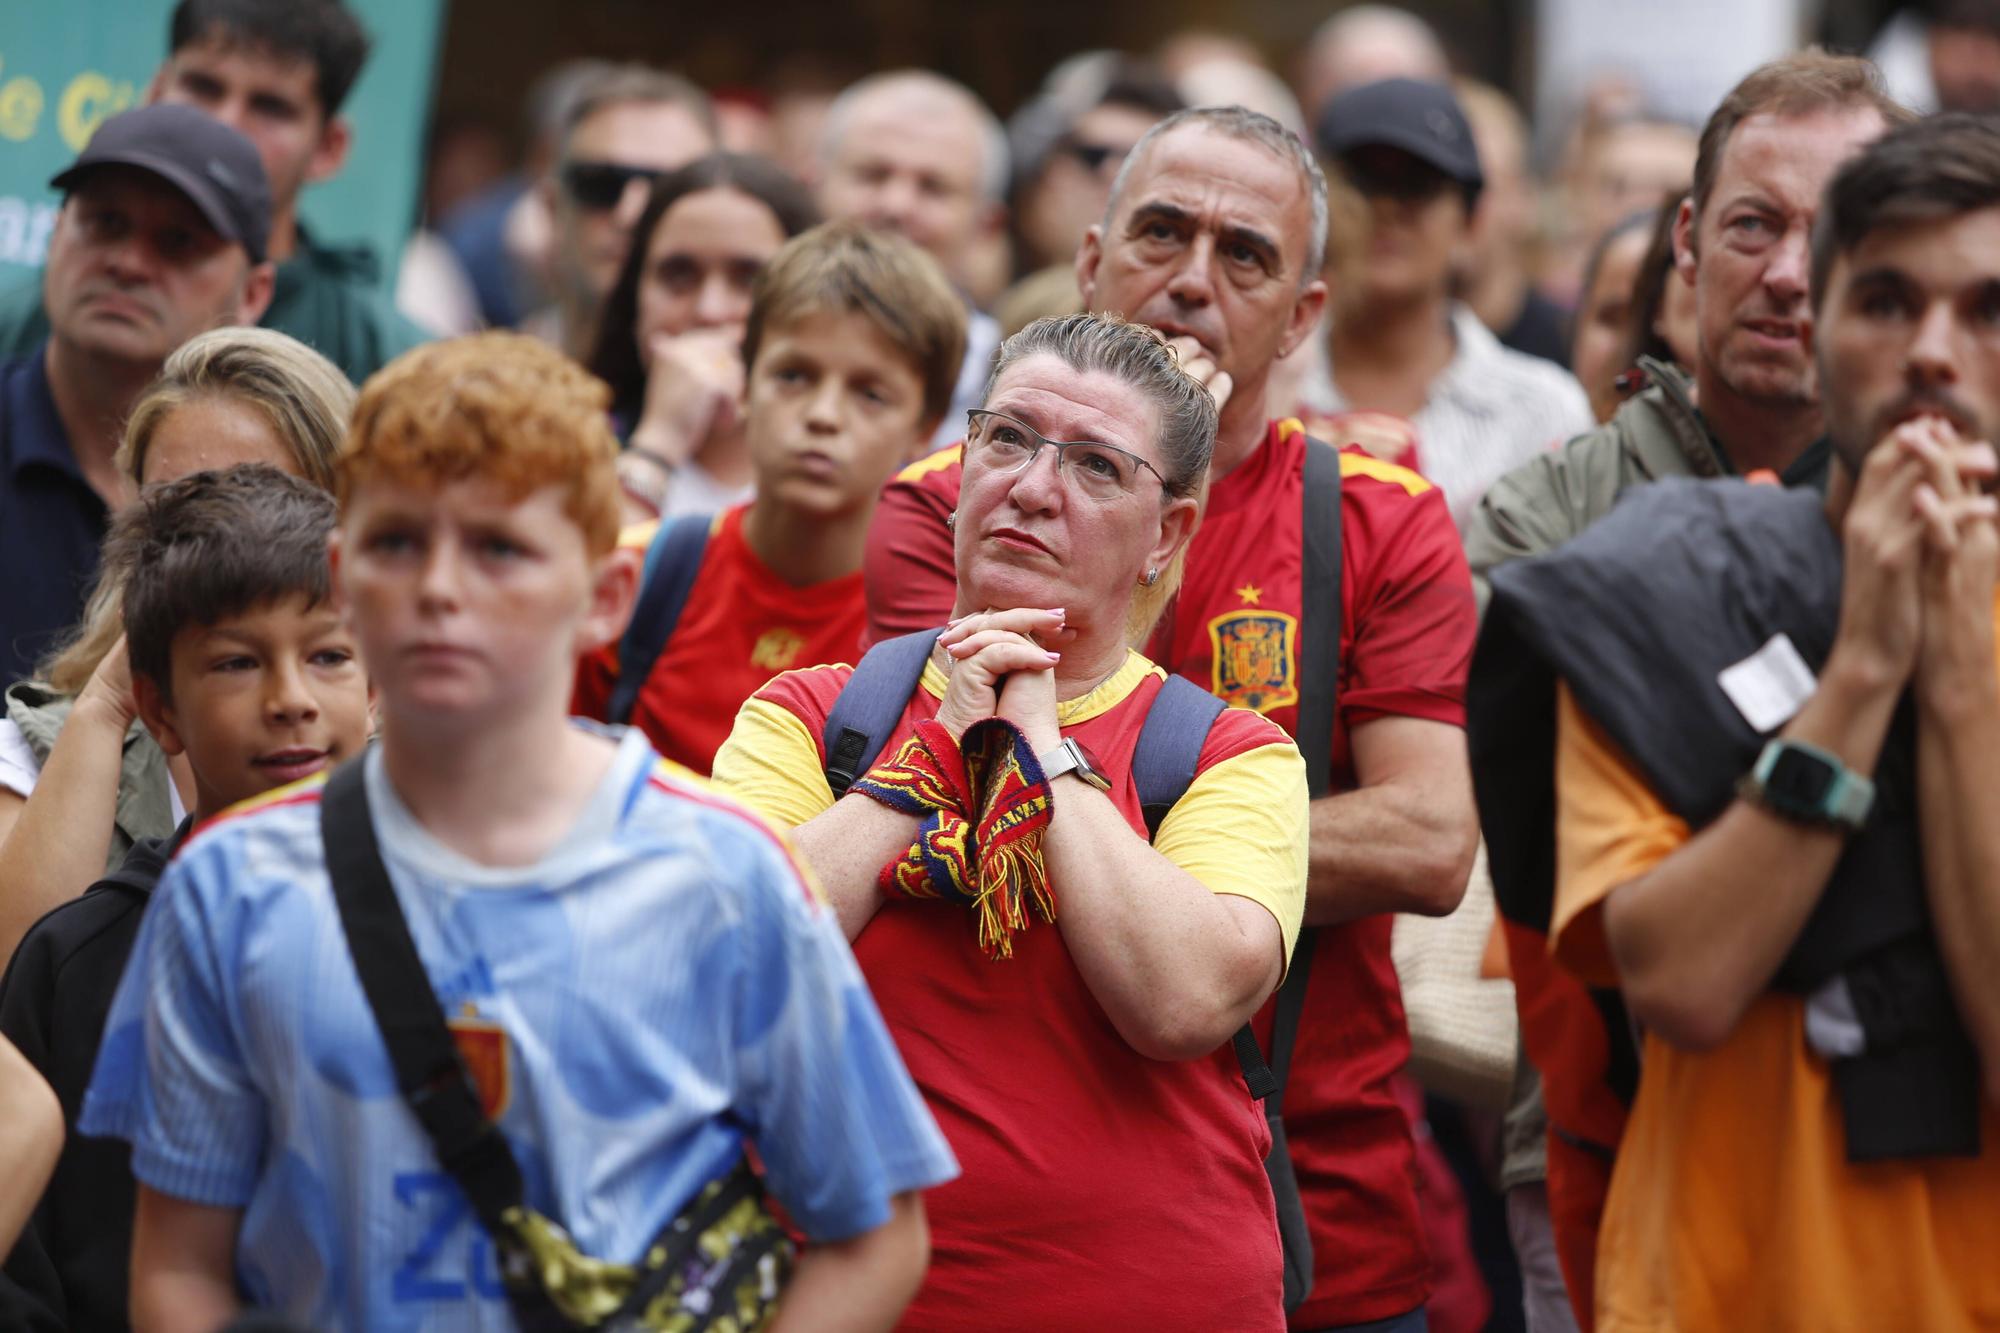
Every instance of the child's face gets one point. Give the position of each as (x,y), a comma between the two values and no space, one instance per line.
(834,409)
(260,699)
(471,606)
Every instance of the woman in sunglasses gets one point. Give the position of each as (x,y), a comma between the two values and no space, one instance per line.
(1063,990)
(671,342)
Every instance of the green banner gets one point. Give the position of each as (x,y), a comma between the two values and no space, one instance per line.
(67,64)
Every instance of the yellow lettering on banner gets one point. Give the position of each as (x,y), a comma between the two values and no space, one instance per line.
(20,107)
(88,102)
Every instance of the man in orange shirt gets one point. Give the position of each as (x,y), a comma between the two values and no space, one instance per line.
(1777,741)
(852,346)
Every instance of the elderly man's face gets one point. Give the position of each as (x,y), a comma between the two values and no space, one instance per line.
(910,161)
(1910,326)
(1209,239)
(134,270)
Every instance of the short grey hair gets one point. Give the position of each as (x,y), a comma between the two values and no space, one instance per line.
(993,169)
(614,85)
(1141,357)
(1238,122)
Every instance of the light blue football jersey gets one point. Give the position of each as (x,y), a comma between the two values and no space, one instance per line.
(658,989)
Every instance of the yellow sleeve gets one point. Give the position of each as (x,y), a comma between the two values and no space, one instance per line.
(1241,829)
(1610,829)
(771,764)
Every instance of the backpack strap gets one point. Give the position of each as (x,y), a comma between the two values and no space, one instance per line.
(870,704)
(673,559)
(429,1072)
(1169,748)
(1320,614)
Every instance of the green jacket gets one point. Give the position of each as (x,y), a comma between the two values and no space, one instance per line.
(325,297)
(1554,496)
(143,808)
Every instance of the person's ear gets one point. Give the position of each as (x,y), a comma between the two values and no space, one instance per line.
(1089,255)
(157,714)
(329,155)
(258,286)
(1177,520)
(1305,315)
(156,85)
(614,589)
(1684,248)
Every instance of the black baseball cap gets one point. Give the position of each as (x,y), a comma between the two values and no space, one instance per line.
(1420,118)
(214,166)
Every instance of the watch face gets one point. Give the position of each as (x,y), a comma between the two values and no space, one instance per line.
(1799,779)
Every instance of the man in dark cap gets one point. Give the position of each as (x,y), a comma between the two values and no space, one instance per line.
(161,236)
(278,72)
(1400,343)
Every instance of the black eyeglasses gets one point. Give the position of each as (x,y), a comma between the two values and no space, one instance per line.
(1101,471)
(600,185)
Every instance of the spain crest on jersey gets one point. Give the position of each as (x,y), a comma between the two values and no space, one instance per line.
(482,1046)
(1255,659)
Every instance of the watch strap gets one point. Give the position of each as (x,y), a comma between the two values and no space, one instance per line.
(1844,804)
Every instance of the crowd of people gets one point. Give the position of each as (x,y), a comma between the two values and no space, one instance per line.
(1212,707)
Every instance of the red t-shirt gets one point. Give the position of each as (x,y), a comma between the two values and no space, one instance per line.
(1406,639)
(741,625)
(1100,1189)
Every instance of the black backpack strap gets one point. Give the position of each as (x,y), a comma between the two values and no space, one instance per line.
(429,1073)
(1319,615)
(672,561)
(1163,767)
(868,706)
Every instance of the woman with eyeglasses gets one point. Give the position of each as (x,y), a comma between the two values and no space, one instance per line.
(1063,989)
(670,345)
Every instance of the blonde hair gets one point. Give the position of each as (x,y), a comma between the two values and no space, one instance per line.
(301,394)
(498,406)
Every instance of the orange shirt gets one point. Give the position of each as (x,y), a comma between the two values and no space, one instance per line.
(742,625)
(1732,1204)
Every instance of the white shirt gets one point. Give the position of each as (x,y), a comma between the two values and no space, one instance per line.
(1490,410)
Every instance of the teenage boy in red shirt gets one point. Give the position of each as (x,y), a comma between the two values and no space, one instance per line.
(853,345)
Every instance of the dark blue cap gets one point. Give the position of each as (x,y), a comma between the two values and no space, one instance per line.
(214,166)
(1421,118)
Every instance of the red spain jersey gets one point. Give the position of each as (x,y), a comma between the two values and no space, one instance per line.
(741,625)
(1101,1189)
(1406,638)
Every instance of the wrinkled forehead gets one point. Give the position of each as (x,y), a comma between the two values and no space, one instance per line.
(1946,256)
(1241,178)
(1066,404)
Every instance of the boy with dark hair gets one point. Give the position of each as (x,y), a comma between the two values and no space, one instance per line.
(240,662)
(637,979)
(278,72)
(853,345)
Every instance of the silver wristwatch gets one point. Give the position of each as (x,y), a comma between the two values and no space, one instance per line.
(1071,757)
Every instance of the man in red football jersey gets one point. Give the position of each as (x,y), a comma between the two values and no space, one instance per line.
(1214,235)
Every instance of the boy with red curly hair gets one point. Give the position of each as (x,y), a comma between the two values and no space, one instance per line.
(637,980)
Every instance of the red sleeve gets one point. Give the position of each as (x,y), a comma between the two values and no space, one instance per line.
(1411,615)
(908,565)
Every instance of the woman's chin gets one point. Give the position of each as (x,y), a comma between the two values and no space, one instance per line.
(1003,587)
